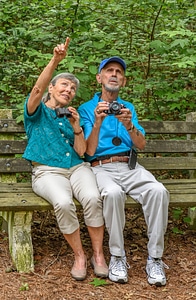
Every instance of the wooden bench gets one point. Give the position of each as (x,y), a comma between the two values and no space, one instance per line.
(171,148)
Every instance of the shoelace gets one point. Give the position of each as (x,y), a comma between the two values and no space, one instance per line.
(120,264)
(157,267)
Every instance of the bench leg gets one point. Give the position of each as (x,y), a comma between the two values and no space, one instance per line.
(20,242)
(3,224)
(192,216)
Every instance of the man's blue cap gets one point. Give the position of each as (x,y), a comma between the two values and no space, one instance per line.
(110,59)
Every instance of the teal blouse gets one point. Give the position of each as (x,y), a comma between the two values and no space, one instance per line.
(50,139)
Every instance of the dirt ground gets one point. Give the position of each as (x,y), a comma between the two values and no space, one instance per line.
(53,261)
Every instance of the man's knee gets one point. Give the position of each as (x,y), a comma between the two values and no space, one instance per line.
(113,192)
(161,194)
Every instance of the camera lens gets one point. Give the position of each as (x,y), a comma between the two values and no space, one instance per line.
(115,108)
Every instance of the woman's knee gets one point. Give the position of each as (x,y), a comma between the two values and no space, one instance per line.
(92,203)
(66,216)
(64,207)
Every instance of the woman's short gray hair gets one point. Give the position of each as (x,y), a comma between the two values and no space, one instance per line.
(68,76)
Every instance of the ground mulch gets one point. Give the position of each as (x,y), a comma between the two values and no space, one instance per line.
(51,279)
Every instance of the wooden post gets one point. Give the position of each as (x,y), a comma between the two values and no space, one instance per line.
(18,224)
(6,114)
(191,117)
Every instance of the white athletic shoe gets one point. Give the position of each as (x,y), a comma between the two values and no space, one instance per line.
(155,271)
(118,269)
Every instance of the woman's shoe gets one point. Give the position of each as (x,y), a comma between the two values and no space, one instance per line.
(100,271)
(79,274)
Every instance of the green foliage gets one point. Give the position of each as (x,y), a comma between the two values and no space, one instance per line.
(193,208)
(99,282)
(24,287)
(156,38)
(177,230)
(177,215)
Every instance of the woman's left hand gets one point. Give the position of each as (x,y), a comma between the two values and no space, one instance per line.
(75,119)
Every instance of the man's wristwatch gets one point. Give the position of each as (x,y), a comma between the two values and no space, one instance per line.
(131,128)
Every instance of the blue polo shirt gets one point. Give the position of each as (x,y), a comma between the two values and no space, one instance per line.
(50,139)
(110,128)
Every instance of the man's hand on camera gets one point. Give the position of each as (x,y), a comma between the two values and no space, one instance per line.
(125,117)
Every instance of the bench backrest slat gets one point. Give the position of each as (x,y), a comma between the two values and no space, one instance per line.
(164,127)
(152,146)
(12,147)
(19,165)
(10,125)
(151,127)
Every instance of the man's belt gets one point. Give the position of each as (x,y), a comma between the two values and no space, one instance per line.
(107,156)
(110,160)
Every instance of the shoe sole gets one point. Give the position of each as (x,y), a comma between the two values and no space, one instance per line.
(154,282)
(102,275)
(157,283)
(79,278)
(120,280)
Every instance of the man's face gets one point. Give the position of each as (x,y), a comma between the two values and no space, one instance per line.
(63,91)
(112,77)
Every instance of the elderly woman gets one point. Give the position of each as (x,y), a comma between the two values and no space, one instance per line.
(55,146)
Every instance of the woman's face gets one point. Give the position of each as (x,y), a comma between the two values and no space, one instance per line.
(62,92)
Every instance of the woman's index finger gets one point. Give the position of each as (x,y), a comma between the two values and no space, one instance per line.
(67,42)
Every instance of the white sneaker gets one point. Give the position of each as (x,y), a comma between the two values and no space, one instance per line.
(118,269)
(155,271)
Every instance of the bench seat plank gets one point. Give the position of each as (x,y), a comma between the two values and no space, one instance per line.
(4,186)
(174,185)
(23,202)
(169,183)
(28,201)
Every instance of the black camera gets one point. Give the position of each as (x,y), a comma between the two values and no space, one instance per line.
(114,108)
(63,112)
